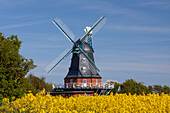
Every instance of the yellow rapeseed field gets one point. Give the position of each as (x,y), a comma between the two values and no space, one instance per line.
(119,103)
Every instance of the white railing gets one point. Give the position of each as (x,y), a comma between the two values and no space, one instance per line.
(70,85)
(84,85)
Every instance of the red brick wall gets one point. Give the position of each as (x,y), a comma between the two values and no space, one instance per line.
(78,82)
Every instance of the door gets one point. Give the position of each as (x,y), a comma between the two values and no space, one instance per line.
(84,82)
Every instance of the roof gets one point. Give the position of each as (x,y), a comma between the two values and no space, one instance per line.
(80,66)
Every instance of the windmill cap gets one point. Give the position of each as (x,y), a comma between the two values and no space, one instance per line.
(87,29)
(87,48)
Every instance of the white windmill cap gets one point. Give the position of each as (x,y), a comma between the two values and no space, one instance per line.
(87,29)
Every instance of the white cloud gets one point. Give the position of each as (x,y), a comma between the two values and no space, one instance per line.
(42,46)
(157,5)
(156,56)
(132,54)
(136,67)
(22,24)
(152,3)
(8,4)
(147,55)
(140,28)
(107,8)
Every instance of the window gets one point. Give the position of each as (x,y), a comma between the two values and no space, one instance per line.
(84,80)
(96,81)
(71,81)
(83,69)
(83,60)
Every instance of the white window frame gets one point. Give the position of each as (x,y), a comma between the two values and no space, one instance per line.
(84,69)
(85,82)
(71,81)
(96,81)
(83,60)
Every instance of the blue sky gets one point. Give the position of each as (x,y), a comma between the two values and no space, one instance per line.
(134,42)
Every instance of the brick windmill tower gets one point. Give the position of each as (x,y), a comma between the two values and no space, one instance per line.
(83,74)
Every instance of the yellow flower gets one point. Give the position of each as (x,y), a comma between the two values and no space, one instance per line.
(29,91)
(91,104)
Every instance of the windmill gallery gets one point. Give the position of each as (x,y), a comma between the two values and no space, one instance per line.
(83,76)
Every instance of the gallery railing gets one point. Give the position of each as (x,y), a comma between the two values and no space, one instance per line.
(69,85)
(84,85)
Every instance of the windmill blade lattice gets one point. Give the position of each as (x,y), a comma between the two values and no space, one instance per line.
(96,24)
(77,46)
(64,29)
(58,60)
(99,26)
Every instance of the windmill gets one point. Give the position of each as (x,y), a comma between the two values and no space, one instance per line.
(82,72)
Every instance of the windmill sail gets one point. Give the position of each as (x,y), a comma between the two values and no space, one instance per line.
(58,60)
(78,44)
(86,34)
(64,29)
(99,26)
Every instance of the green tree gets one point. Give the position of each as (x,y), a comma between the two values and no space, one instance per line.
(39,83)
(131,86)
(116,87)
(158,89)
(166,89)
(150,89)
(13,68)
